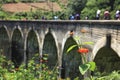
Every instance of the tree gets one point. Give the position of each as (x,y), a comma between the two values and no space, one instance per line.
(93,5)
(76,6)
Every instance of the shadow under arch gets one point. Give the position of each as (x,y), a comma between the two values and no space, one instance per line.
(107,60)
(4,42)
(49,50)
(71,60)
(106,41)
(32,47)
(17,48)
(105,54)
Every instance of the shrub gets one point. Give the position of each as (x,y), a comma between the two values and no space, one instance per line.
(32,72)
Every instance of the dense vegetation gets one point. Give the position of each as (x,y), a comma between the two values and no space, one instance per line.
(41,72)
(83,7)
(32,72)
(89,7)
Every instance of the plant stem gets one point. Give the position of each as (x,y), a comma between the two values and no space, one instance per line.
(84,58)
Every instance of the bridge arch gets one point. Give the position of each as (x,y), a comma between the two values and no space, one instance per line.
(14,31)
(32,46)
(6,30)
(106,58)
(99,44)
(50,49)
(5,42)
(102,42)
(71,60)
(115,46)
(17,47)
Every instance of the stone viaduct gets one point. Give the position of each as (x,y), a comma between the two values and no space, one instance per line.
(20,40)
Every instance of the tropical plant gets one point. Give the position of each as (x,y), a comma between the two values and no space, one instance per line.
(86,65)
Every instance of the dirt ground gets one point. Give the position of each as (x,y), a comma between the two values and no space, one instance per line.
(25,7)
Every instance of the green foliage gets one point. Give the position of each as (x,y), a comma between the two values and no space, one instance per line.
(92,66)
(115,75)
(3,15)
(71,47)
(32,72)
(76,6)
(88,43)
(84,68)
(89,10)
(86,65)
(93,5)
(83,7)
(53,0)
(32,15)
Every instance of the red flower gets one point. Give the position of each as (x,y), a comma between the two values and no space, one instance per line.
(83,50)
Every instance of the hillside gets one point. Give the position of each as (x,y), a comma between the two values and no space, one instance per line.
(25,7)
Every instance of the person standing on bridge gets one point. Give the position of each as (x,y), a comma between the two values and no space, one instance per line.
(98,14)
(117,15)
(106,15)
(71,17)
(77,17)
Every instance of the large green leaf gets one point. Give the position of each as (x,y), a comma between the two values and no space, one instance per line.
(92,66)
(88,43)
(84,68)
(70,48)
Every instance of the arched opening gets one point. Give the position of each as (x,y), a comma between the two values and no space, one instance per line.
(50,50)
(17,48)
(107,60)
(71,60)
(4,43)
(32,47)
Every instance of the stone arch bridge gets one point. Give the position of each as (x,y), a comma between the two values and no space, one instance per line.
(20,40)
